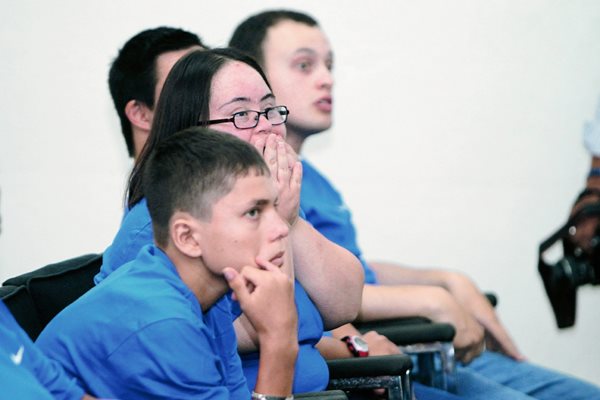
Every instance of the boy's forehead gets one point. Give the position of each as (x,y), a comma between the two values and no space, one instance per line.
(250,188)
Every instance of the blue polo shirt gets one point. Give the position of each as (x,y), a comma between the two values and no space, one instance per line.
(25,372)
(326,211)
(311,372)
(141,334)
(135,232)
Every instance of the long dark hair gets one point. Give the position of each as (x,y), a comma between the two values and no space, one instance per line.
(183,103)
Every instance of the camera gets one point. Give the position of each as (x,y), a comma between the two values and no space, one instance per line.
(575,268)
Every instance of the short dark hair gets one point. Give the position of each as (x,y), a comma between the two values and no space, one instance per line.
(250,34)
(191,170)
(132,75)
(184,102)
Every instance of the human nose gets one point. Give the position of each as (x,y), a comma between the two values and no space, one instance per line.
(281,228)
(263,124)
(325,79)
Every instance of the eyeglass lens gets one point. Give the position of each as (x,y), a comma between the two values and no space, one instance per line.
(249,119)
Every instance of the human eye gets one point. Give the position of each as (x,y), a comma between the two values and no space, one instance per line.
(242,116)
(329,65)
(304,65)
(253,213)
(272,112)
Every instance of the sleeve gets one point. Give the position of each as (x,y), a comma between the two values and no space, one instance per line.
(178,362)
(47,371)
(51,375)
(135,232)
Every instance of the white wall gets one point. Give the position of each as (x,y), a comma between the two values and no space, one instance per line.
(457,139)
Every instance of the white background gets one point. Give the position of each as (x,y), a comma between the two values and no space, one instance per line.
(457,137)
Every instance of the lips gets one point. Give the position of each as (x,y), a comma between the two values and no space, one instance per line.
(277,259)
(324,104)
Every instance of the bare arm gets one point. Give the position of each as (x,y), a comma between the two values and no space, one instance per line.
(431,302)
(247,339)
(267,299)
(331,275)
(465,293)
(395,274)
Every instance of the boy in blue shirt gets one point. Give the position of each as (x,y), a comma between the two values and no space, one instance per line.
(160,327)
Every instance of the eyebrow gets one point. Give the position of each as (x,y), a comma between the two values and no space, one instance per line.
(262,202)
(240,99)
(311,51)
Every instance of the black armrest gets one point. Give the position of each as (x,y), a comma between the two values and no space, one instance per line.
(326,395)
(391,373)
(405,331)
(369,366)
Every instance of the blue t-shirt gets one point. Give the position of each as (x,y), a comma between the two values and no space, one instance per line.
(142,334)
(326,211)
(135,232)
(25,372)
(311,372)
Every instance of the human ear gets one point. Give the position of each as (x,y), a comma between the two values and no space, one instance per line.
(139,114)
(185,234)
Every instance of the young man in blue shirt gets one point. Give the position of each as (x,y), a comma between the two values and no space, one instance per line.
(161,326)
(297,58)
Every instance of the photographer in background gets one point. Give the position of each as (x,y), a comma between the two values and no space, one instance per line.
(580,264)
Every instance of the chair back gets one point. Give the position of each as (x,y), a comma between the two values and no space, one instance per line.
(20,304)
(39,295)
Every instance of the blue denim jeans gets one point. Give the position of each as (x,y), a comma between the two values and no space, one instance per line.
(495,376)
(423,392)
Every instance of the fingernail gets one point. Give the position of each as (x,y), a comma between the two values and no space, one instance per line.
(228,274)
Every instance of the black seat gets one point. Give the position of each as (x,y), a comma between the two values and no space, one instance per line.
(39,295)
(19,302)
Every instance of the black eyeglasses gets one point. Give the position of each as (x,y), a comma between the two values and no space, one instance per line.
(248,119)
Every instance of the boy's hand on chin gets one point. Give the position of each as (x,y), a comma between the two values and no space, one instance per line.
(266,296)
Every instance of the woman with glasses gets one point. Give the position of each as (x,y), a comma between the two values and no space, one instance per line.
(228,91)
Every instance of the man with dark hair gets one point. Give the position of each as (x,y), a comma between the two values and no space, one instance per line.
(161,325)
(137,75)
(297,59)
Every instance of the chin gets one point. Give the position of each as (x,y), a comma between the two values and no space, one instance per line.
(323,126)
